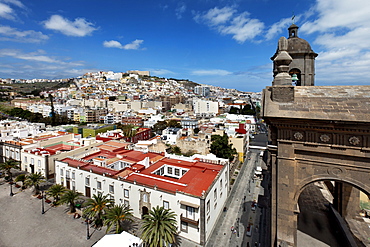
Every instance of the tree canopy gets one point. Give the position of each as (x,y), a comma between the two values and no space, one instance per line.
(221,148)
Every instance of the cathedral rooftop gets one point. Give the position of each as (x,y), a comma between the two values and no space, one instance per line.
(337,103)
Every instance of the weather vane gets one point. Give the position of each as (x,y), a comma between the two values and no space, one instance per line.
(293,17)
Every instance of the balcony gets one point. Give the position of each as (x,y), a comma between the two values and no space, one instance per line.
(190,221)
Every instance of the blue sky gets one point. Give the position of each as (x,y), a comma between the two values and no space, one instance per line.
(222,43)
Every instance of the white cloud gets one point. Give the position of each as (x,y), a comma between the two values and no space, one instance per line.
(342,33)
(227,21)
(216,72)
(335,14)
(134,45)
(278,27)
(181,8)
(112,44)
(79,27)
(28,36)
(15,2)
(27,56)
(216,16)
(161,72)
(37,65)
(6,12)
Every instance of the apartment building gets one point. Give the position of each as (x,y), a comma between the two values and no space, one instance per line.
(195,190)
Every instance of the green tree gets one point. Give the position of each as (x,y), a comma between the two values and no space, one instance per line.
(176,150)
(221,148)
(34,179)
(116,215)
(159,126)
(234,110)
(96,207)
(8,165)
(173,124)
(56,191)
(21,178)
(248,110)
(159,227)
(70,197)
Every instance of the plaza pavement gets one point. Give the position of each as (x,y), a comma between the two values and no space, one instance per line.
(22,224)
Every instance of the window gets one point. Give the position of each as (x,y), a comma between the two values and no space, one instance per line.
(98,185)
(145,197)
(126,193)
(25,159)
(39,163)
(169,170)
(208,219)
(73,175)
(221,184)
(111,189)
(177,172)
(208,206)
(87,181)
(67,174)
(184,226)
(32,161)
(183,172)
(17,155)
(166,205)
(190,212)
(127,203)
(215,194)
(73,185)
(61,172)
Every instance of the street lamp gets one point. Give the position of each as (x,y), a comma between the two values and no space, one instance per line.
(87,228)
(42,202)
(11,188)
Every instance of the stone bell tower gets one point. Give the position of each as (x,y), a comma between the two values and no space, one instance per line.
(302,67)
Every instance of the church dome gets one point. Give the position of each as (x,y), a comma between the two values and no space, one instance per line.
(298,45)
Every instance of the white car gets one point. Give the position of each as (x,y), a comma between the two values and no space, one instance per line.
(254,206)
(249,230)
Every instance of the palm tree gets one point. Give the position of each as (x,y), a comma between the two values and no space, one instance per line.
(56,191)
(8,165)
(159,227)
(96,206)
(70,197)
(21,178)
(116,215)
(34,179)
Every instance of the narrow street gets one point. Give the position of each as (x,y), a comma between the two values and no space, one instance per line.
(239,214)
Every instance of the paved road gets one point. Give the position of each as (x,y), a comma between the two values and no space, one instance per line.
(240,198)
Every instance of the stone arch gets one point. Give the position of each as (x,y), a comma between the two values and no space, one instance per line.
(309,180)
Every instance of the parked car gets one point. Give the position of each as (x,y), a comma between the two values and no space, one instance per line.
(254,206)
(249,230)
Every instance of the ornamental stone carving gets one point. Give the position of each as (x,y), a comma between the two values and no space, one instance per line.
(298,135)
(324,138)
(354,140)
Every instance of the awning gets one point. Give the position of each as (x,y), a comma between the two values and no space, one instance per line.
(189,204)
